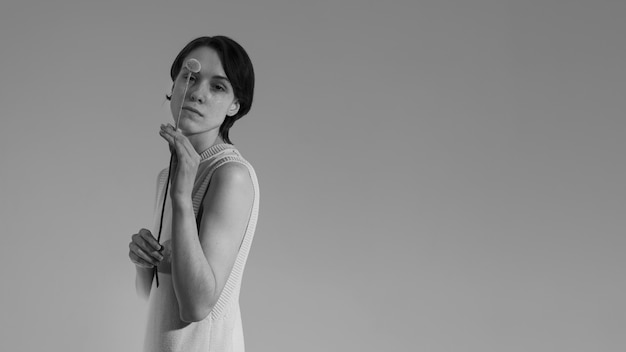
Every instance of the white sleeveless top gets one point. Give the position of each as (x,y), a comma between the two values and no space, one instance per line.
(221,330)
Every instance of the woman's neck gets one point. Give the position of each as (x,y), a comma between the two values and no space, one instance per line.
(205,140)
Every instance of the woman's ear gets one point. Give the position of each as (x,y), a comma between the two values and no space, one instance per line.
(169,96)
(234,108)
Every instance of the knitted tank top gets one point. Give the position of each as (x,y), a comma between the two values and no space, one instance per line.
(221,330)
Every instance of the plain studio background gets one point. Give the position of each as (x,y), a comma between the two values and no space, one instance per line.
(435,175)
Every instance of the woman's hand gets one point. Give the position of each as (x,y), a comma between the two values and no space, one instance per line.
(185,161)
(144,250)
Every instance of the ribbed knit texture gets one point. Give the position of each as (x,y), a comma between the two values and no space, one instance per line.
(222,329)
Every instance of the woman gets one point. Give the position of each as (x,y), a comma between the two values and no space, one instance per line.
(210,210)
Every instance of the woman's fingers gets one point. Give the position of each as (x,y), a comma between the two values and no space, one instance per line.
(166,133)
(153,257)
(145,246)
(177,141)
(140,256)
(144,250)
(185,161)
(149,239)
(139,262)
(172,136)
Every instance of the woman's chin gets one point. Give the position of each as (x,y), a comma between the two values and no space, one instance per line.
(184,124)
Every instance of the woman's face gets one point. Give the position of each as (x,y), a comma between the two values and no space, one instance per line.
(210,97)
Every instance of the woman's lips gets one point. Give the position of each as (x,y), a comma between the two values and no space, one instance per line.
(189,108)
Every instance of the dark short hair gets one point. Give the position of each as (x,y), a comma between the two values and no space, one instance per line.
(238,69)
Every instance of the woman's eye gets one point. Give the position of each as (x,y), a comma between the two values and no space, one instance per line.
(219,87)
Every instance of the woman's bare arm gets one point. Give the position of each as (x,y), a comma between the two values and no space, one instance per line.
(201,263)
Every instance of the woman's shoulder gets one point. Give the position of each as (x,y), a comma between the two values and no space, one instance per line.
(233,164)
(233,172)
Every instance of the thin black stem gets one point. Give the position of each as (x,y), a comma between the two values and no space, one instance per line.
(167,184)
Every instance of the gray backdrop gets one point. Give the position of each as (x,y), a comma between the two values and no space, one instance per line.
(442,175)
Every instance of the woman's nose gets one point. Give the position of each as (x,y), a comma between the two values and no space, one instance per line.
(199,93)
(197,96)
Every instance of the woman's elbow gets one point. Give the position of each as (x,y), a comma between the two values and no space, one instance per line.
(194,315)
(195,309)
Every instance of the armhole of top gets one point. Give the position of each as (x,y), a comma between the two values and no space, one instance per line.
(161,179)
